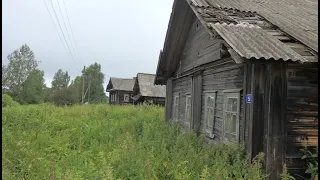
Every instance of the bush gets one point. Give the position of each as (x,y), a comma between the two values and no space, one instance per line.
(7,101)
(64,96)
(112,142)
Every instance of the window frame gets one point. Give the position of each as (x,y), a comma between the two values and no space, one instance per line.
(124,97)
(176,99)
(209,94)
(188,95)
(232,93)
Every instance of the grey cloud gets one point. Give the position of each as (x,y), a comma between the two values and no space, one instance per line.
(123,36)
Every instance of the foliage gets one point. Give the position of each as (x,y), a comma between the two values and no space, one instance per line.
(33,89)
(21,63)
(64,96)
(60,80)
(94,78)
(285,174)
(311,156)
(76,86)
(48,94)
(112,142)
(7,101)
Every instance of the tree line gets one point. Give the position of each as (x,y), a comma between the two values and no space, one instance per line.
(24,82)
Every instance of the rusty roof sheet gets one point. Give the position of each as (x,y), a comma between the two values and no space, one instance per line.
(147,87)
(295,17)
(251,41)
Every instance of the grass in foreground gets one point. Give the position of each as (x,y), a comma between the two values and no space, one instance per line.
(104,142)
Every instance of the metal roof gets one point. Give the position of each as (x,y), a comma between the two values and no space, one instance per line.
(295,17)
(121,84)
(251,41)
(147,87)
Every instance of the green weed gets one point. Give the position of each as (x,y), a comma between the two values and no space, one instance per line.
(112,142)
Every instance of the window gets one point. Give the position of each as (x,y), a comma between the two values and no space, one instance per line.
(112,97)
(176,108)
(210,100)
(126,97)
(231,117)
(188,109)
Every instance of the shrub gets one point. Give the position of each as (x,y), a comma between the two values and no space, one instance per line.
(64,96)
(7,101)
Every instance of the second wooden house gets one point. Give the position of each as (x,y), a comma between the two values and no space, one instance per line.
(145,92)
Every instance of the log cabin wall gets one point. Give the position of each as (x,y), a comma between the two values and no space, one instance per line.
(181,87)
(113,97)
(302,114)
(224,74)
(218,74)
(119,97)
(283,115)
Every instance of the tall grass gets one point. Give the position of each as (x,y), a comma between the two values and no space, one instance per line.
(112,142)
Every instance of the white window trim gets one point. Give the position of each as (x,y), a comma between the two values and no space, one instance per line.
(124,98)
(176,107)
(185,114)
(233,93)
(212,94)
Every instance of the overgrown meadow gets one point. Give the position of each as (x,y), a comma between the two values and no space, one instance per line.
(112,142)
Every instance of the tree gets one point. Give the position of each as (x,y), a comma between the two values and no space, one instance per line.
(94,80)
(60,80)
(4,79)
(76,86)
(64,96)
(21,63)
(47,94)
(33,88)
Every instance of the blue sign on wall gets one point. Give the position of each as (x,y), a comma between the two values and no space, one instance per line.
(248,98)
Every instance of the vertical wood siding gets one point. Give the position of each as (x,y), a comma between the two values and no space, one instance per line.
(196,102)
(168,100)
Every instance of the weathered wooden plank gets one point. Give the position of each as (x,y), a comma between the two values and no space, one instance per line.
(225,67)
(196,99)
(274,118)
(302,112)
(169,101)
(180,27)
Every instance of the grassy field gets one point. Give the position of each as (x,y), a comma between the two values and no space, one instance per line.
(104,142)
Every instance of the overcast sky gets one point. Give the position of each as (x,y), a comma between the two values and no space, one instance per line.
(125,37)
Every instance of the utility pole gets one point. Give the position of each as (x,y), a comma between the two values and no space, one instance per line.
(89,91)
(83,93)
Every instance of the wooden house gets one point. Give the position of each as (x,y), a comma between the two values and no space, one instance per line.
(245,71)
(120,90)
(145,92)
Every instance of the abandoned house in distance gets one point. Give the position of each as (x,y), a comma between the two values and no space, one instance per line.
(120,90)
(245,71)
(145,92)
